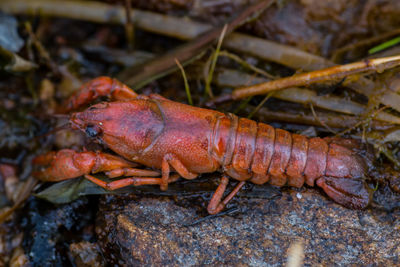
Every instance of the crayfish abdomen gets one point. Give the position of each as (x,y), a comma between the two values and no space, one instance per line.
(260,153)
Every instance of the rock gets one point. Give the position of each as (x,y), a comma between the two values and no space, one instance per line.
(49,230)
(147,231)
(86,254)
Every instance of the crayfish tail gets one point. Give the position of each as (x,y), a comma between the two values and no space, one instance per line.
(351,193)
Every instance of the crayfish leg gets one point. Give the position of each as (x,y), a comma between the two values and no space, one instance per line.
(96,88)
(171,160)
(135,181)
(166,178)
(216,204)
(131,172)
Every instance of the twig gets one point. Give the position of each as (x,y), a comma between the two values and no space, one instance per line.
(301,117)
(129,28)
(259,105)
(322,123)
(364,121)
(332,73)
(246,65)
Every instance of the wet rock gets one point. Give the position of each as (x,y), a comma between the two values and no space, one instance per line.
(154,231)
(50,229)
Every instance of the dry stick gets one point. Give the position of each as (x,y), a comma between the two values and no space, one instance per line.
(270,51)
(129,28)
(247,65)
(363,121)
(99,12)
(172,26)
(256,109)
(322,123)
(137,77)
(332,73)
(332,120)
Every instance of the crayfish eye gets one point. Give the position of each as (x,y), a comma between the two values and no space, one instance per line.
(93,130)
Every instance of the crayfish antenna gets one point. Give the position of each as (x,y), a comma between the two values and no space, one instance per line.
(54,130)
(61,116)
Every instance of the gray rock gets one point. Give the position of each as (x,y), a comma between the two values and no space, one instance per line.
(151,231)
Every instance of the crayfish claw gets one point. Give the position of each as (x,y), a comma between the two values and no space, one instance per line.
(62,165)
(67,164)
(96,88)
(45,159)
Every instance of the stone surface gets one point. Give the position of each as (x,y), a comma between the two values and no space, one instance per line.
(86,254)
(153,231)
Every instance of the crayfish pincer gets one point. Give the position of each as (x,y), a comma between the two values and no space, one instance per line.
(185,141)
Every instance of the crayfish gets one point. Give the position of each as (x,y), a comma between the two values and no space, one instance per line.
(185,141)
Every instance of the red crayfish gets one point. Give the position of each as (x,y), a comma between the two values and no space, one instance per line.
(187,141)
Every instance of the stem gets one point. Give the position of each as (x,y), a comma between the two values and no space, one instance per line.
(214,62)
(187,88)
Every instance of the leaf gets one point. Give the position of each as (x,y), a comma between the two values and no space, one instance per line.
(10,61)
(69,190)
(384,45)
(392,136)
